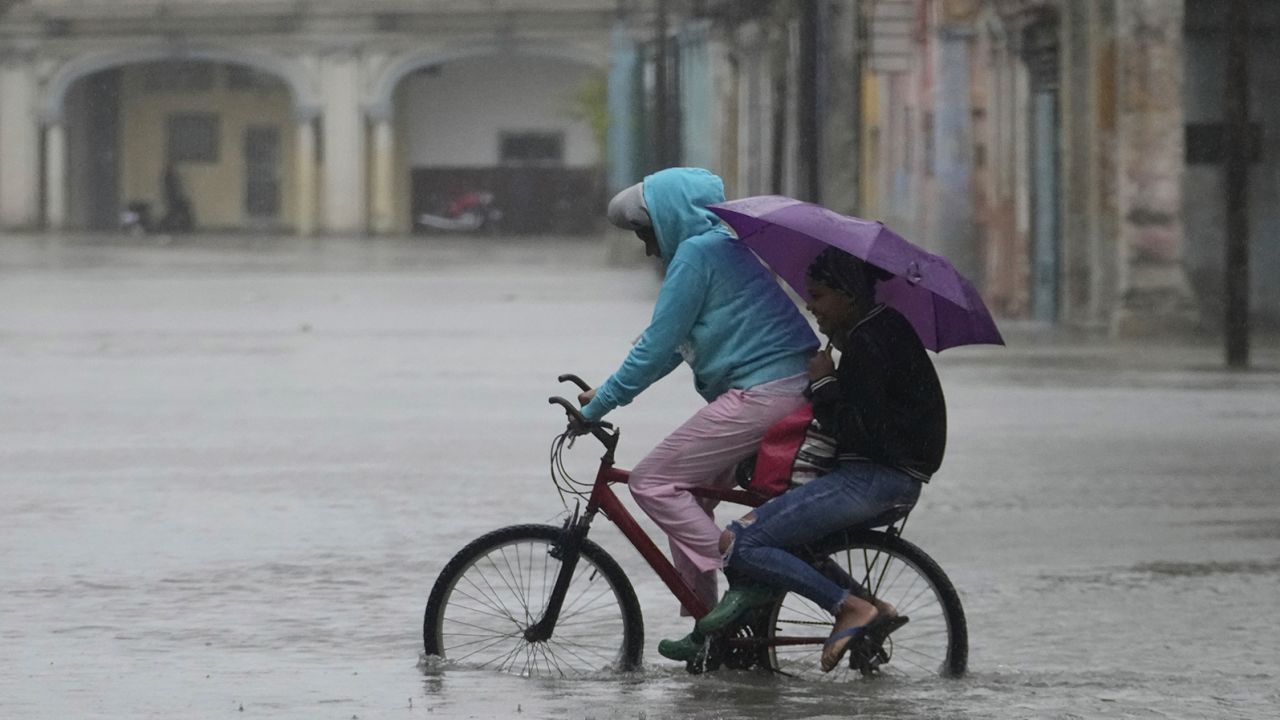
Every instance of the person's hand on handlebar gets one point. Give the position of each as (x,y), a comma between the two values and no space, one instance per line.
(576,428)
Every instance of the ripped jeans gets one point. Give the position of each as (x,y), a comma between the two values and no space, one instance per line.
(852,493)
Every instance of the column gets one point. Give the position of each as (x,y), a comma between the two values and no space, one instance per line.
(1154,292)
(19,146)
(55,168)
(953,218)
(841,151)
(383,210)
(1075,160)
(621,100)
(697,94)
(1104,215)
(306,172)
(344,145)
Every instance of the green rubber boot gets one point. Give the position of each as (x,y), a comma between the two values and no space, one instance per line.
(684,649)
(736,601)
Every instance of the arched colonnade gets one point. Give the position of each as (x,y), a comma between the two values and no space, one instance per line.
(344,139)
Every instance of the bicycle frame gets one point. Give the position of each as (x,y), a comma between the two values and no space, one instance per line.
(603,499)
(850,557)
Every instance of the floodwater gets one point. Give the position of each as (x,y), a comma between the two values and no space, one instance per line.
(230,470)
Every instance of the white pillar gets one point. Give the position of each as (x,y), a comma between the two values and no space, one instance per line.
(306,170)
(383,213)
(344,145)
(19,147)
(55,168)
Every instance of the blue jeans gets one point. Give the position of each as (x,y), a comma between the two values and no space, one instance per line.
(851,494)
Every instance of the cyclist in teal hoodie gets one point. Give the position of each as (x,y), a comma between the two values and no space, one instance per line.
(722,312)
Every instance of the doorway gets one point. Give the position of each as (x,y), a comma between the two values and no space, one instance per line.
(262,173)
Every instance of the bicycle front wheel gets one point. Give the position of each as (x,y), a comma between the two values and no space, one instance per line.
(497,587)
(935,640)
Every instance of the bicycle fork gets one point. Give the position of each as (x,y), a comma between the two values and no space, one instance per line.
(567,550)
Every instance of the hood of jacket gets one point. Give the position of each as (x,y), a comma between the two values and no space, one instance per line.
(677,200)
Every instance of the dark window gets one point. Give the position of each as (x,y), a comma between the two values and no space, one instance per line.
(262,171)
(193,137)
(542,148)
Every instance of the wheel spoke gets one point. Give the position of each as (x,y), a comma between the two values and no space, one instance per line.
(891,570)
(568,648)
(496,641)
(494,593)
(501,612)
(502,588)
(506,581)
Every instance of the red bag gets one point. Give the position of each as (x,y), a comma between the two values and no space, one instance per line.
(794,451)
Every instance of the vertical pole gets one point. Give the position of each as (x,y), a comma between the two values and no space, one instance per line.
(1237,137)
(383,177)
(55,176)
(808,86)
(779,66)
(859,60)
(661,105)
(306,170)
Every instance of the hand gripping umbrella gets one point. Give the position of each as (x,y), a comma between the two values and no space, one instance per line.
(942,306)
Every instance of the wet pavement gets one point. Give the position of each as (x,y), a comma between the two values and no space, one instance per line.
(230,469)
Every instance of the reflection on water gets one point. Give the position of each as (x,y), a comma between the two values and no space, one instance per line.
(231,471)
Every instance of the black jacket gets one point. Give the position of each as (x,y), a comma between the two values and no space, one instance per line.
(884,404)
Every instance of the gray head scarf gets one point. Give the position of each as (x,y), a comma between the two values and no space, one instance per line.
(627,209)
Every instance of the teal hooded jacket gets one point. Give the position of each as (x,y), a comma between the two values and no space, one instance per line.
(718,309)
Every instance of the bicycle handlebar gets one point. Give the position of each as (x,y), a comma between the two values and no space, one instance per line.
(578,422)
(570,377)
(576,416)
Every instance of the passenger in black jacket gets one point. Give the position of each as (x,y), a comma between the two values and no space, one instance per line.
(885,408)
(884,403)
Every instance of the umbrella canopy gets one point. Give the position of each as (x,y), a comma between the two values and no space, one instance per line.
(936,299)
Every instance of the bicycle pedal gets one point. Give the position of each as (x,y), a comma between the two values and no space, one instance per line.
(864,666)
(866,659)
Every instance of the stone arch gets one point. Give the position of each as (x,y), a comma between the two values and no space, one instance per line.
(54,113)
(301,86)
(391,195)
(378,100)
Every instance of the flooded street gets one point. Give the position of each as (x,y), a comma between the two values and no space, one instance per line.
(230,470)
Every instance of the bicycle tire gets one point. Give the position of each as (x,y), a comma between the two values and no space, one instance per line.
(497,586)
(934,642)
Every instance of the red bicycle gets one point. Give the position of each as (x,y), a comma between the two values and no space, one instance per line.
(544,600)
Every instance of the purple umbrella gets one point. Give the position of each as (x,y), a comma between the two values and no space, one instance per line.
(935,298)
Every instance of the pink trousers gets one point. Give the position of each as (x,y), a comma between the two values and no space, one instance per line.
(703,452)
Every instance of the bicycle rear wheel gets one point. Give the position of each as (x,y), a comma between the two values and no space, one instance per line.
(496,587)
(934,642)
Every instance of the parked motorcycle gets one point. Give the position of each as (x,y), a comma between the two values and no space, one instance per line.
(472,211)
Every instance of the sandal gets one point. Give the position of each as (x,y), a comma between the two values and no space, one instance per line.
(850,636)
(870,636)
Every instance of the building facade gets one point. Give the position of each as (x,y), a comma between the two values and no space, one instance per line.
(1065,154)
(324,116)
